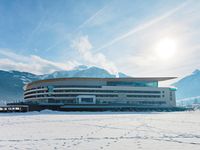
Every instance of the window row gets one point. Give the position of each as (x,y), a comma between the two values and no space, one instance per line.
(73,101)
(98,95)
(108,91)
(144,96)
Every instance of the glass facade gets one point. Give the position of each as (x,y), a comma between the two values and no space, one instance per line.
(97,95)
(51,92)
(134,84)
(107,91)
(144,96)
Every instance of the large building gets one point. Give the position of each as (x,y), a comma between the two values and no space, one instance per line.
(101,93)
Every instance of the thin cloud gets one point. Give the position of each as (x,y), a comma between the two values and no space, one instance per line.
(93,17)
(84,24)
(37,28)
(31,63)
(143,26)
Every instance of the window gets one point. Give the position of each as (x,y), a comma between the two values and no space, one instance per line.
(50,88)
(136,83)
(144,96)
(147,102)
(87,100)
(171,95)
(106,91)
(77,86)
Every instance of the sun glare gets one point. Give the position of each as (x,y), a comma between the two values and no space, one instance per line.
(166,48)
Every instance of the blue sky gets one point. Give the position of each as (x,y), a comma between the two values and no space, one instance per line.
(41,36)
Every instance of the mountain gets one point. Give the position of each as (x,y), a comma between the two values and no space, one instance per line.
(122,75)
(12,82)
(81,71)
(189,86)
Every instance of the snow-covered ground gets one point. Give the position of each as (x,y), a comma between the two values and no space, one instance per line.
(100,131)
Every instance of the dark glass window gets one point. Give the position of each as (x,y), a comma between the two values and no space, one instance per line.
(106,91)
(50,88)
(87,100)
(145,96)
(135,84)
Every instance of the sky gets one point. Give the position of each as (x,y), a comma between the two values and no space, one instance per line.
(138,38)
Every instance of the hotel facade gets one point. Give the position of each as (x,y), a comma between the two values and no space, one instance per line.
(101,93)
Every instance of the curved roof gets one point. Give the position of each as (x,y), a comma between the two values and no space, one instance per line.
(129,79)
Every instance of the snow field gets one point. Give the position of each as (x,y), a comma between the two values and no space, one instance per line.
(100,131)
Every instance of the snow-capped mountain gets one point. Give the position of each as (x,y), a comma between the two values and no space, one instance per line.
(188,86)
(81,71)
(12,82)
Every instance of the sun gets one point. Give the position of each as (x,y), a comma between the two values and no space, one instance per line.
(166,48)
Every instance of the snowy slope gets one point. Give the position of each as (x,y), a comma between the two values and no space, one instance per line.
(12,82)
(81,71)
(189,86)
